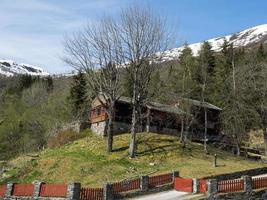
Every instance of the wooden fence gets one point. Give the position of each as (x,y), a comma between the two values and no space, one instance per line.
(231,185)
(155,181)
(53,190)
(91,194)
(2,190)
(126,185)
(22,190)
(259,182)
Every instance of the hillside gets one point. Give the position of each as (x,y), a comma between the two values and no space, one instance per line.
(85,161)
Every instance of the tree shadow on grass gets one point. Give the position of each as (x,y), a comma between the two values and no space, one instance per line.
(121,149)
(159,149)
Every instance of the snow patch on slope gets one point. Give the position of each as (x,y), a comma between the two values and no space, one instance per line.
(11,68)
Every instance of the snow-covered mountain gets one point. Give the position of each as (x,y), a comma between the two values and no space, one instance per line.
(246,38)
(11,68)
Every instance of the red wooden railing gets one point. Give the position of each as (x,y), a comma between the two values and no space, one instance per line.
(163,179)
(2,190)
(22,190)
(259,182)
(91,194)
(127,185)
(202,186)
(231,185)
(53,190)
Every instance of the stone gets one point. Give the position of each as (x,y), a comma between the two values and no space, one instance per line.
(9,190)
(195,185)
(247,184)
(73,191)
(144,183)
(37,188)
(212,188)
(108,191)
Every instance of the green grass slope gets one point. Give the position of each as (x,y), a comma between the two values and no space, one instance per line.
(86,161)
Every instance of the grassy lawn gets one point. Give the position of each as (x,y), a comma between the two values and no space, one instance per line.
(86,161)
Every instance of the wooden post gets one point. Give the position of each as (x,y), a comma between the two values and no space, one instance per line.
(215,160)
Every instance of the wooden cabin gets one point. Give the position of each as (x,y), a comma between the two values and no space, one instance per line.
(156,117)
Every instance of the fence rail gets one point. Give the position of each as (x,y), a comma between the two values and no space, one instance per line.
(259,182)
(91,194)
(231,185)
(126,185)
(53,190)
(163,179)
(2,190)
(22,190)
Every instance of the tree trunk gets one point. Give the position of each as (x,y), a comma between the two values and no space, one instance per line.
(237,150)
(182,131)
(148,121)
(134,116)
(205,132)
(265,139)
(133,133)
(110,128)
(185,136)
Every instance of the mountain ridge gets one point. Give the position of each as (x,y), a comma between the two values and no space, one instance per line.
(245,38)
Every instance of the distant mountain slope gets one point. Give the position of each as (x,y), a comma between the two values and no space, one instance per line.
(246,38)
(11,68)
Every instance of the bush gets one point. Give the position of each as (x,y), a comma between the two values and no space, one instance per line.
(63,138)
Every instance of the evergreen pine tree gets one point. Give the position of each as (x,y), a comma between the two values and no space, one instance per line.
(49,84)
(221,72)
(260,53)
(155,86)
(78,94)
(205,72)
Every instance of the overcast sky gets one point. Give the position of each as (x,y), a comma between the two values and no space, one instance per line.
(32,31)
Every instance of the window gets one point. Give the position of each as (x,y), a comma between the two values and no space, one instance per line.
(98,111)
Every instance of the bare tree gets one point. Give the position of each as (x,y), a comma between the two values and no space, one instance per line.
(143,34)
(97,51)
(203,96)
(187,63)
